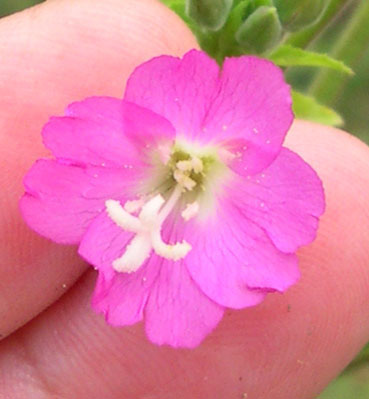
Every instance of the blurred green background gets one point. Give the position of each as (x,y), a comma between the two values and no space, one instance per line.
(353,101)
(353,105)
(10,6)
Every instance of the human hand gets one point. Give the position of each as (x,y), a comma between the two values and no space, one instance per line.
(288,347)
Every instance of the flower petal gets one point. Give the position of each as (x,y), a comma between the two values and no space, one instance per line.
(233,260)
(90,133)
(62,200)
(146,129)
(247,101)
(181,90)
(254,105)
(122,298)
(285,200)
(105,131)
(103,243)
(177,312)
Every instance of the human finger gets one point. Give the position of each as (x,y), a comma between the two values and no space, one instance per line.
(53,54)
(288,347)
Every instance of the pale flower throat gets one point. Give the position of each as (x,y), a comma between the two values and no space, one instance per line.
(184,175)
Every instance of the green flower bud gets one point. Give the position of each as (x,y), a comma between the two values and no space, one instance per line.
(254,4)
(298,14)
(210,14)
(261,31)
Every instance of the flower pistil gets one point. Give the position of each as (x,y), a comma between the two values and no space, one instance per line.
(187,172)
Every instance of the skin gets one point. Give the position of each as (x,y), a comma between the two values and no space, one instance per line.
(54,346)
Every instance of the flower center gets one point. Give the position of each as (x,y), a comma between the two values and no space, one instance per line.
(190,170)
(184,177)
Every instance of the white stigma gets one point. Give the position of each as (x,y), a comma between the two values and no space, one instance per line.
(147,227)
(134,206)
(153,212)
(121,217)
(137,251)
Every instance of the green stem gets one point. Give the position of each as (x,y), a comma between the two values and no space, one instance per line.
(304,38)
(352,44)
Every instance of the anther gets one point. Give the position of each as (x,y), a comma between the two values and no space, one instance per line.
(190,211)
(197,165)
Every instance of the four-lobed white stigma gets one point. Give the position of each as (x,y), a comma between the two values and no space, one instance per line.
(148,224)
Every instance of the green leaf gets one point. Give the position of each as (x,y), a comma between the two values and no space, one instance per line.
(287,55)
(308,108)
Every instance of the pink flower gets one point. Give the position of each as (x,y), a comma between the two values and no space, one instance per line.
(181,195)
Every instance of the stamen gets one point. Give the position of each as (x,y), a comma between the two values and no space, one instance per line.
(154,211)
(194,164)
(190,211)
(188,183)
(184,166)
(184,180)
(197,165)
(183,172)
